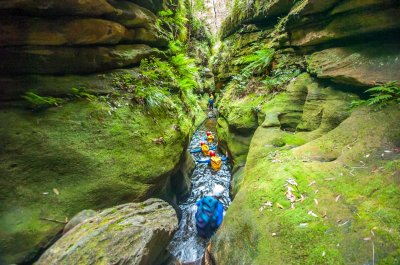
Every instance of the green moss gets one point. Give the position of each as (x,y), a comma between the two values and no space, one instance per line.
(367,202)
(95,155)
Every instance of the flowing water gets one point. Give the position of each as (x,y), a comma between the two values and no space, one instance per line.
(186,246)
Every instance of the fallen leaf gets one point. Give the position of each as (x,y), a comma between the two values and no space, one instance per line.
(316,191)
(323,254)
(329,179)
(366,238)
(45,193)
(273,234)
(312,213)
(337,198)
(56,192)
(279,205)
(316,201)
(311,183)
(66,219)
(292,182)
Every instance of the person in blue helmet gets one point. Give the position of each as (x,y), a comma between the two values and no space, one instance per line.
(210,213)
(211,102)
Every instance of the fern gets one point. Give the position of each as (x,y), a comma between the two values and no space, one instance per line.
(37,102)
(380,96)
(259,62)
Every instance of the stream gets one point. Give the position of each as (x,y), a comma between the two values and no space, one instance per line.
(186,246)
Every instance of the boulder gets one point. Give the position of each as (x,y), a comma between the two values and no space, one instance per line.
(67,60)
(56,7)
(367,64)
(346,26)
(19,30)
(79,218)
(132,233)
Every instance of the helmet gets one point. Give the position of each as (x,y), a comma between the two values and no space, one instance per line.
(218,190)
(212,153)
(202,143)
(208,133)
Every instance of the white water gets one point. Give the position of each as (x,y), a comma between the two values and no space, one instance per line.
(186,245)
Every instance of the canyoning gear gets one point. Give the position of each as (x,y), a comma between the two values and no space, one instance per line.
(210,138)
(208,160)
(208,133)
(198,149)
(211,103)
(212,153)
(217,191)
(215,163)
(205,149)
(209,216)
(201,143)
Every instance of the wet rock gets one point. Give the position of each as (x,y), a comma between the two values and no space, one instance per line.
(66,60)
(79,218)
(132,233)
(18,30)
(366,64)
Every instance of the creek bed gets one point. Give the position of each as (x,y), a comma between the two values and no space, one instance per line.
(186,246)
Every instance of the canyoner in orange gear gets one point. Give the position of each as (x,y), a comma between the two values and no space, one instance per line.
(210,137)
(205,149)
(215,161)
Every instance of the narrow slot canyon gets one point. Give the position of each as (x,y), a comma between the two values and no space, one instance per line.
(122,119)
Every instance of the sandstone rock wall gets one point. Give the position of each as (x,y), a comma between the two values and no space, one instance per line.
(50,38)
(95,146)
(297,117)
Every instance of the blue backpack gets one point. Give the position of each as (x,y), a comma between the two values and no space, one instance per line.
(208,216)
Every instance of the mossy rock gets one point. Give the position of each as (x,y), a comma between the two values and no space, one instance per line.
(237,144)
(349,198)
(94,155)
(12,88)
(132,233)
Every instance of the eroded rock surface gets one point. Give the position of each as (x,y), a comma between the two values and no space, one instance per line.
(315,176)
(132,233)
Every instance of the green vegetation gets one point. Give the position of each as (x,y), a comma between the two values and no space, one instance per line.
(37,102)
(82,93)
(259,63)
(381,96)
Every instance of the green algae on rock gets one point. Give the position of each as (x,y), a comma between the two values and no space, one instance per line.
(132,233)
